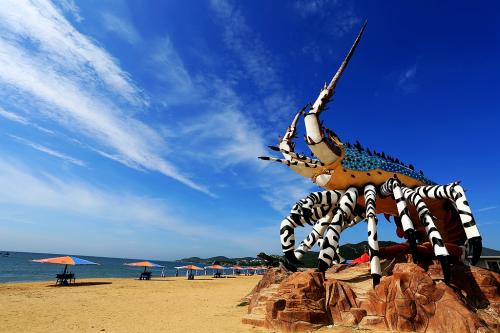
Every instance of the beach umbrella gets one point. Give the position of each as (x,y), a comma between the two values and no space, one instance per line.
(215,267)
(144,264)
(236,268)
(66,260)
(191,268)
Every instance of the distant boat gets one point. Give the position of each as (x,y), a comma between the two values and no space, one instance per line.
(6,254)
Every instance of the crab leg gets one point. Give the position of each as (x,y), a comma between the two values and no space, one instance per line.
(370,195)
(322,147)
(317,232)
(393,187)
(307,210)
(432,233)
(330,244)
(316,235)
(456,194)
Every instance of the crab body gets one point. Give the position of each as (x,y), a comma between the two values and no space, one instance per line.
(359,184)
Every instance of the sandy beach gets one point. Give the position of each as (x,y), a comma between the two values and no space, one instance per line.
(126,305)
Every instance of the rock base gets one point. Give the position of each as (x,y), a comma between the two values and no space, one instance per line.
(410,297)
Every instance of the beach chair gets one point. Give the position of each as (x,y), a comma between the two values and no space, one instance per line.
(64,279)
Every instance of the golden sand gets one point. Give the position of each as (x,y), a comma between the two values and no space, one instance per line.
(126,305)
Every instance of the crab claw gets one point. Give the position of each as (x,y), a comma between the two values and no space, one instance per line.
(475,248)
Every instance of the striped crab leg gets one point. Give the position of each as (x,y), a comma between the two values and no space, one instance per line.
(305,211)
(375,270)
(393,187)
(318,231)
(433,234)
(456,194)
(343,212)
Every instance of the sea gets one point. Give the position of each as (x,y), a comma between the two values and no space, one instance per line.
(18,267)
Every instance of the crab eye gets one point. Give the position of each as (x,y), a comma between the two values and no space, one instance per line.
(322,179)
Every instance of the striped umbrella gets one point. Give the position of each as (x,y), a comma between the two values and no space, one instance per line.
(215,267)
(236,268)
(191,268)
(144,264)
(66,260)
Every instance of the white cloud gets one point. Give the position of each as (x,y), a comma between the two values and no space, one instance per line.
(22,120)
(50,151)
(55,39)
(69,6)
(337,16)
(13,117)
(121,27)
(406,80)
(485,209)
(37,192)
(21,186)
(175,80)
(54,78)
(259,64)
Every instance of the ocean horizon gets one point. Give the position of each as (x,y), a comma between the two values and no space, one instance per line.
(19,267)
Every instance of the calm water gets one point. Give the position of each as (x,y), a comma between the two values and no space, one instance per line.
(18,267)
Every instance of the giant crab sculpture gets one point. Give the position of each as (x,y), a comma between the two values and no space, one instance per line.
(359,184)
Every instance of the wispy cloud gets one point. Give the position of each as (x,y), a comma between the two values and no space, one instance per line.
(69,6)
(22,186)
(52,74)
(312,7)
(176,82)
(56,40)
(337,16)
(49,151)
(259,64)
(22,120)
(407,81)
(40,192)
(121,27)
(485,209)
(243,139)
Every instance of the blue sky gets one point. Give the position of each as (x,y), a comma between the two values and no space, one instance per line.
(132,128)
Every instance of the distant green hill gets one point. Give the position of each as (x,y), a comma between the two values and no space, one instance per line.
(222,260)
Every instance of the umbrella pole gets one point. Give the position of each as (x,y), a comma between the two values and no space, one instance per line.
(65,268)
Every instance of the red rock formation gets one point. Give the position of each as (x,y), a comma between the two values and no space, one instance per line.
(412,298)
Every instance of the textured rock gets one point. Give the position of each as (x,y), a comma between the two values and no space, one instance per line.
(299,303)
(410,297)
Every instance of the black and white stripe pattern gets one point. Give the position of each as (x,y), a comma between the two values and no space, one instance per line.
(316,235)
(290,155)
(317,232)
(393,187)
(427,221)
(289,162)
(308,210)
(321,198)
(370,196)
(343,212)
(456,194)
